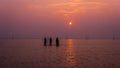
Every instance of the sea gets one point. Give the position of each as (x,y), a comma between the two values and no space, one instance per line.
(70,53)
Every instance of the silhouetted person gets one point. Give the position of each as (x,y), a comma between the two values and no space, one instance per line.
(50,41)
(45,41)
(57,42)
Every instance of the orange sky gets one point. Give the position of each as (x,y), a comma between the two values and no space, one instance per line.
(51,18)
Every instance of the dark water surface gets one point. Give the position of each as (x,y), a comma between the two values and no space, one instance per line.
(71,53)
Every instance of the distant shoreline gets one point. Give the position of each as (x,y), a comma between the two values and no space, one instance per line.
(65,38)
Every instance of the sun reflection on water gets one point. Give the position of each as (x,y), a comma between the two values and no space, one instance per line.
(70,55)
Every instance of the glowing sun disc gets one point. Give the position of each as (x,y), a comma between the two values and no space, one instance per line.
(70,23)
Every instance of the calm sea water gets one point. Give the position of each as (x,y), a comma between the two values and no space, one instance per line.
(71,53)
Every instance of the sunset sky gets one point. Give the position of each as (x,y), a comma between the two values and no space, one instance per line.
(40,18)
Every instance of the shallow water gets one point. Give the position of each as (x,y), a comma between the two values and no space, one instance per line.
(71,53)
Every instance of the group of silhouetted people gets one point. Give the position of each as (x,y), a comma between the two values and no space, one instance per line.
(50,41)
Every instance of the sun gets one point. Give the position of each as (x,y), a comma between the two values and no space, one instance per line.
(70,23)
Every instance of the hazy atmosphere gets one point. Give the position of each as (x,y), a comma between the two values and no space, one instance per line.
(59,33)
(40,18)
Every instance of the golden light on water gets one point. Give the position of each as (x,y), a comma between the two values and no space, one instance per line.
(70,55)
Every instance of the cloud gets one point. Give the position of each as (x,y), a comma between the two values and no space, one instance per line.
(76,7)
(70,8)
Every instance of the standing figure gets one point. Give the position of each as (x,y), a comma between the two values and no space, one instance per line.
(50,41)
(57,41)
(45,41)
